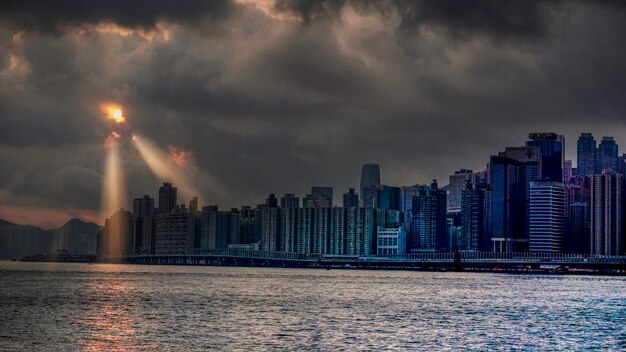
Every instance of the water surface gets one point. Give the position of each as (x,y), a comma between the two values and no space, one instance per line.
(54,306)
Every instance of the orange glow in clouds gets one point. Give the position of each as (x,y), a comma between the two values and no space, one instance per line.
(113,112)
(111,140)
(175,166)
(179,156)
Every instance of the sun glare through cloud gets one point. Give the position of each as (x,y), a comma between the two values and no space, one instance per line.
(113,111)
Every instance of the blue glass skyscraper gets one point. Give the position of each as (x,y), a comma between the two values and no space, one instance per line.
(608,159)
(388,197)
(551,148)
(508,206)
(586,155)
(350,199)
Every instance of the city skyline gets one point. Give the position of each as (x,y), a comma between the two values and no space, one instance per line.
(99,215)
(529,199)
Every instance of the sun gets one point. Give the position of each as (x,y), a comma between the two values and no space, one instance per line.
(118,116)
(113,112)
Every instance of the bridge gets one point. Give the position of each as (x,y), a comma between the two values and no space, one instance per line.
(472,261)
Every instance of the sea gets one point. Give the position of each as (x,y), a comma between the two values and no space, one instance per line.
(109,307)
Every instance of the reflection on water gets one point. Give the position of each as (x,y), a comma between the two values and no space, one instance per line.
(113,307)
(111,322)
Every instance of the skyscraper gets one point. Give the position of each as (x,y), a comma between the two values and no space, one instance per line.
(388,197)
(388,217)
(586,155)
(528,169)
(508,206)
(476,218)
(622,165)
(289,229)
(167,198)
(547,216)
(577,191)
(428,225)
(577,234)
(608,159)
(289,200)
(360,231)
(175,232)
(143,206)
(321,230)
(369,196)
(208,227)
(370,176)
(337,233)
(231,228)
(568,171)
(271,201)
(350,199)
(406,203)
(606,213)
(193,205)
(305,218)
(143,225)
(551,149)
(456,185)
(271,229)
(321,193)
(117,236)
(250,229)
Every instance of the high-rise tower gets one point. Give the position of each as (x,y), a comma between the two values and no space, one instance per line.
(428,225)
(547,216)
(606,214)
(551,149)
(608,160)
(508,206)
(167,198)
(475,218)
(586,155)
(370,176)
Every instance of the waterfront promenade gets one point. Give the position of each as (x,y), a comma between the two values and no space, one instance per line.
(523,261)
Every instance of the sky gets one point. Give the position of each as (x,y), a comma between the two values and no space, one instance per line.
(250,97)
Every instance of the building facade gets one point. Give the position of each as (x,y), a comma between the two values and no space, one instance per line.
(175,232)
(606,214)
(390,241)
(586,157)
(476,221)
(167,198)
(547,217)
(428,220)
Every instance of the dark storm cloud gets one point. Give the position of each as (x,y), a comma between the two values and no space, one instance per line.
(498,19)
(267,103)
(57,15)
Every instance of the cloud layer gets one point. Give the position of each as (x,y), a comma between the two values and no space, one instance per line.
(279,96)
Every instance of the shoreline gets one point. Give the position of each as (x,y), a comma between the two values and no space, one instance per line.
(435,267)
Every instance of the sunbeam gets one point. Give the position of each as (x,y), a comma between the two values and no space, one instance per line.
(160,163)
